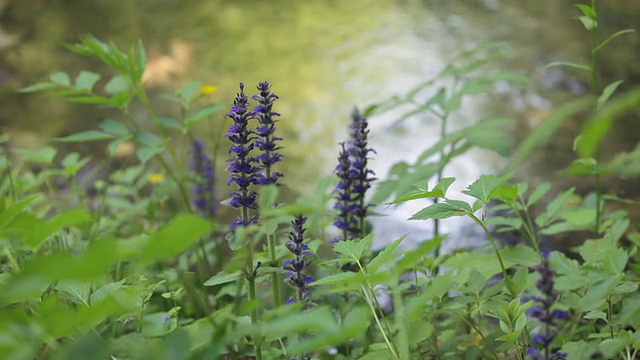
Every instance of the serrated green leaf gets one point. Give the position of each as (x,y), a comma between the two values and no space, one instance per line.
(441,211)
(91,135)
(486,185)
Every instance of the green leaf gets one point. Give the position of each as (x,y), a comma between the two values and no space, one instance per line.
(60,78)
(155,325)
(202,114)
(602,121)
(607,40)
(570,64)
(91,135)
(88,99)
(545,130)
(598,292)
(86,80)
(377,355)
(113,126)
(268,197)
(186,93)
(606,93)
(117,84)
(443,210)
(340,278)
(588,23)
(170,123)
(120,99)
(485,186)
(175,237)
(39,87)
(223,278)
(588,11)
(596,314)
(384,257)
(538,193)
(105,291)
(147,138)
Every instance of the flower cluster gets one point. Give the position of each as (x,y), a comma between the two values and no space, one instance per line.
(243,172)
(354,179)
(295,267)
(201,165)
(545,314)
(266,141)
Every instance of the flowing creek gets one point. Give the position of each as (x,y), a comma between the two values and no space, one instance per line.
(322,57)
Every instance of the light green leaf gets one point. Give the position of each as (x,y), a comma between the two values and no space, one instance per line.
(60,78)
(223,278)
(485,186)
(607,40)
(588,23)
(588,11)
(607,92)
(202,114)
(340,278)
(113,126)
(538,193)
(147,138)
(442,211)
(86,80)
(570,64)
(175,237)
(39,87)
(117,84)
(91,135)
(88,99)
(384,257)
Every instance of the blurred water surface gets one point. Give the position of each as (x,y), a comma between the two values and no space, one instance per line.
(322,57)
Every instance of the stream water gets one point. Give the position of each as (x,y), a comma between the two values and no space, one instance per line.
(322,57)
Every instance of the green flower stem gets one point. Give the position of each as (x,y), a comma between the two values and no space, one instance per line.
(366,292)
(594,89)
(271,240)
(251,279)
(507,279)
(179,178)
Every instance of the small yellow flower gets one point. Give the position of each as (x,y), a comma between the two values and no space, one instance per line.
(156,178)
(208,89)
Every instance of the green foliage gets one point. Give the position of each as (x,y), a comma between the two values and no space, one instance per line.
(128,271)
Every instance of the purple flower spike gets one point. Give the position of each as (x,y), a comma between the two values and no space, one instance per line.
(243,172)
(266,141)
(203,191)
(299,263)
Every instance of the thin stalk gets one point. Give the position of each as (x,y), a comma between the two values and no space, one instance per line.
(507,280)
(251,279)
(594,89)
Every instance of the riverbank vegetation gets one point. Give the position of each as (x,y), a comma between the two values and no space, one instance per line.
(153,261)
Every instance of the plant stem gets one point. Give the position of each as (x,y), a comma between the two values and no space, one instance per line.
(594,88)
(251,279)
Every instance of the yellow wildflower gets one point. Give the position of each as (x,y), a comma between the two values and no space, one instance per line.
(155,178)
(208,89)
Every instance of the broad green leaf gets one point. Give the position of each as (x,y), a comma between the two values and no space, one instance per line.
(60,78)
(113,126)
(170,123)
(443,210)
(147,138)
(596,314)
(117,84)
(172,239)
(91,135)
(86,80)
(483,188)
(223,278)
(607,40)
(155,325)
(186,93)
(377,355)
(606,93)
(43,155)
(120,99)
(145,153)
(105,291)
(268,197)
(362,246)
(340,278)
(75,291)
(598,292)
